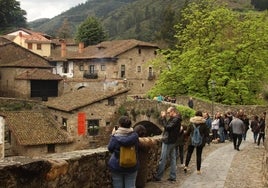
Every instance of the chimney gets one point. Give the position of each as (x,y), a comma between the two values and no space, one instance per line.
(63,49)
(20,35)
(81,47)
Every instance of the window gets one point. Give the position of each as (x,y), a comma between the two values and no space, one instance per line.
(30,46)
(123,71)
(138,68)
(139,51)
(81,67)
(91,69)
(103,67)
(8,136)
(39,47)
(51,148)
(111,101)
(150,71)
(65,67)
(93,127)
(64,123)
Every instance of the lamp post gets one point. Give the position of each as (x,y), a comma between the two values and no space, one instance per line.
(212,97)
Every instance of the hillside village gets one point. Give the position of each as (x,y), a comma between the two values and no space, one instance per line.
(80,88)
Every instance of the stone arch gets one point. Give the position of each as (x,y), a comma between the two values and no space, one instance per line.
(80,87)
(151,128)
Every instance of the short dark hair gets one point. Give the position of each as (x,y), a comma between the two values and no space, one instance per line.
(141,130)
(124,121)
(198,113)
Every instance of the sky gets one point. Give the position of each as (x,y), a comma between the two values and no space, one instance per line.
(46,8)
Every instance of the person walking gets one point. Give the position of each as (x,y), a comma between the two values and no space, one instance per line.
(123,177)
(208,123)
(215,128)
(221,127)
(170,135)
(190,103)
(254,125)
(238,129)
(261,129)
(199,122)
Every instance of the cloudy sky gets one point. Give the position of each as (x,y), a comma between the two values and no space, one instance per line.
(47,8)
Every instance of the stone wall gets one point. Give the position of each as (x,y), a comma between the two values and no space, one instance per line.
(83,168)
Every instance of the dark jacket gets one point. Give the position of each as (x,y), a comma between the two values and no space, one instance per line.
(116,141)
(204,131)
(171,129)
(262,125)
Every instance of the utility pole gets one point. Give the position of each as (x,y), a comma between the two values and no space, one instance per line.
(212,97)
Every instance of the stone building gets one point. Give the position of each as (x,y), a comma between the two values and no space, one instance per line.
(87,114)
(24,74)
(33,133)
(126,62)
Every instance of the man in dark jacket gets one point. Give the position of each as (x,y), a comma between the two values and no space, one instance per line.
(261,129)
(170,135)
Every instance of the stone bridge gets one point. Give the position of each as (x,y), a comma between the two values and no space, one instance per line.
(88,168)
(147,112)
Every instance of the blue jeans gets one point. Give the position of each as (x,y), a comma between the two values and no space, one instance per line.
(123,180)
(221,133)
(168,150)
(255,136)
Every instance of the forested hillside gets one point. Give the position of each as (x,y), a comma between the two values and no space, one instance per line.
(146,20)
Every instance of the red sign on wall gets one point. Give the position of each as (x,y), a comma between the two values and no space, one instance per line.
(81,123)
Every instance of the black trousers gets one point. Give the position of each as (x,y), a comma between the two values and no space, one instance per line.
(261,136)
(199,150)
(237,139)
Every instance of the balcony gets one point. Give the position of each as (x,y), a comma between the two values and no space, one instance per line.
(91,75)
(151,77)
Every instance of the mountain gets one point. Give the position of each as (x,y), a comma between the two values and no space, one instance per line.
(122,19)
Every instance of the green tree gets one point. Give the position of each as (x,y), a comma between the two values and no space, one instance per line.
(216,44)
(11,15)
(90,32)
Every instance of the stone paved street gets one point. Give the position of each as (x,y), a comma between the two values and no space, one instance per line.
(222,167)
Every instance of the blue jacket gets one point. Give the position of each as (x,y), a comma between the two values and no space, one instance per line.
(116,141)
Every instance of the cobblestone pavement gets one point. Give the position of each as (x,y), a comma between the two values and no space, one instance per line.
(222,167)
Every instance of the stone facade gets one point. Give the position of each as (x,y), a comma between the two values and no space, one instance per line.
(99,109)
(125,62)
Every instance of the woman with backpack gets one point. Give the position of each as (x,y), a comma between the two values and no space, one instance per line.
(123,137)
(197,132)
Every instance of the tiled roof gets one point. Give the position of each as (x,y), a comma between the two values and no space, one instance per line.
(35,128)
(111,49)
(106,49)
(12,54)
(38,74)
(27,62)
(32,36)
(81,98)
(35,38)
